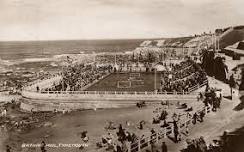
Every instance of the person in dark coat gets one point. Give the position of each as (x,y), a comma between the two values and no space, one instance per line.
(43,147)
(8,148)
(164,147)
(202,114)
(194,121)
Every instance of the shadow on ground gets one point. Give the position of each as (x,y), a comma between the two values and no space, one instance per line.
(235,141)
(240,106)
(228,97)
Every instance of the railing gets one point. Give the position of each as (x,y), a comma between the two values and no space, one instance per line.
(125,92)
(144,142)
(188,67)
(198,86)
(121,92)
(183,78)
(113,92)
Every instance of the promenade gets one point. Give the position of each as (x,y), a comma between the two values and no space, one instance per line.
(214,123)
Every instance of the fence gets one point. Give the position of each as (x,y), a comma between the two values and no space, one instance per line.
(163,133)
(149,95)
(115,92)
(205,82)
(108,95)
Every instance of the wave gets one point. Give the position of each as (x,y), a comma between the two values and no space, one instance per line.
(61,56)
(3,70)
(37,59)
(53,64)
(53,59)
(5,62)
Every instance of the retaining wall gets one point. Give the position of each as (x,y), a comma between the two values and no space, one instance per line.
(37,101)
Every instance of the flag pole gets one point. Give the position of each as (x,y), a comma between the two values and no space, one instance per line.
(155,78)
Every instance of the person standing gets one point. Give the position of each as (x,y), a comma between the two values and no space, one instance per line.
(4,113)
(164,147)
(8,148)
(43,147)
(37,89)
(202,114)
(153,147)
(194,121)
(176,134)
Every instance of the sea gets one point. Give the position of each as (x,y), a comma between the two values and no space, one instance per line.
(32,55)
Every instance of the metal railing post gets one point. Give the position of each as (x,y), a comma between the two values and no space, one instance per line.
(165,133)
(129,147)
(149,142)
(157,137)
(139,145)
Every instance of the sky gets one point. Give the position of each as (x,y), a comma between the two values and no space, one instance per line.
(114,19)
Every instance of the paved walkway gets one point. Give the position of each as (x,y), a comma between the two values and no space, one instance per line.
(215,123)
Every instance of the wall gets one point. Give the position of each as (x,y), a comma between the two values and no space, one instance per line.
(48,102)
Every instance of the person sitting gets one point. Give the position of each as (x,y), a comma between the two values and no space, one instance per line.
(8,148)
(163,115)
(84,136)
(201,115)
(182,106)
(43,146)
(156,121)
(141,124)
(110,126)
(189,109)
(165,124)
(109,138)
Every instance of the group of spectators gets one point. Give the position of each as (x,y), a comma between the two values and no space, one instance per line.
(124,139)
(75,77)
(196,145)
(121,142)
(213,98)
(199,145)
(182,77)
(175,78)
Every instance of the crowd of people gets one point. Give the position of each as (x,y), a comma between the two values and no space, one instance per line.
(199,145)
(75,77)
(182,77)
(213,98)
(175,78)
(125,140)
(196,145)
(171,122)
(121,142)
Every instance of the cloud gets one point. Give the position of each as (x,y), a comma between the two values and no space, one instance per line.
(83,19)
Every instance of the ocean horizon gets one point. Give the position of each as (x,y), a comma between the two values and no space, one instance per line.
(10,50)
(20,53)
